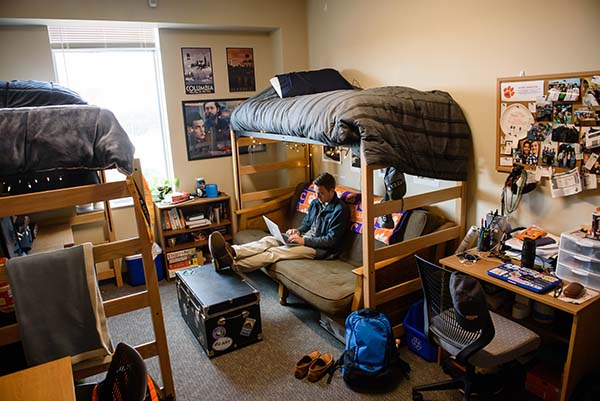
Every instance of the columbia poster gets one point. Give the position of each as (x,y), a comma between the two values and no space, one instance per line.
(197,70)
(240,68)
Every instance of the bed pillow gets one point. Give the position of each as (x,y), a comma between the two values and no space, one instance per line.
(308,82)
(36,93)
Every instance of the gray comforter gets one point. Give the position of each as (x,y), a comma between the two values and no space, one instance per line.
(420,133)
(36,139)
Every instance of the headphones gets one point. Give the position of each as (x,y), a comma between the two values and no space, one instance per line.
(517,181)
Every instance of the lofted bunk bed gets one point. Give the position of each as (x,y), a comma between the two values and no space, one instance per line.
(418,133)
(56,141)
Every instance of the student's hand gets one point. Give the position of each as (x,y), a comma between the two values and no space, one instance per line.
(292,231)
(296,239)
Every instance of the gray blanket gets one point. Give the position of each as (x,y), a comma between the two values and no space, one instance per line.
(36,139)
(58,305)
(420,133)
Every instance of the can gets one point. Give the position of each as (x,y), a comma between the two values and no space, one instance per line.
(596,223)
(469,240)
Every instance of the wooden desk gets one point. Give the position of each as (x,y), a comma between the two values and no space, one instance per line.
(584,338)
(49,381)
(54,236)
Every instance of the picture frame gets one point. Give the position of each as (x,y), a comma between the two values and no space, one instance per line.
(197,70)
(206,124)
(332,154)
(355,159)
(240,69)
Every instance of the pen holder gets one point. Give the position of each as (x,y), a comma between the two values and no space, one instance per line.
(484,241)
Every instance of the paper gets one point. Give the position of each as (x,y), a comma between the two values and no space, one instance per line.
(565,184)
(587,295)
(506,161)
(521,91)
(590,181)
(591,161)
(516,120)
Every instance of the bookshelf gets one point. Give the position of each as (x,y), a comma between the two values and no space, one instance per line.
(183,229)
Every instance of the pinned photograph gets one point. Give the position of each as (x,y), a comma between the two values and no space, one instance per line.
(527,153)
(197,70)
(506,148)
(539,131)
(240,69)
(332,154)
(543,110)
(590,89)
(548,153)
(355,159)
(207,127)
(567,156)
(564,90)
(585,115)
(565,133)
(562,113)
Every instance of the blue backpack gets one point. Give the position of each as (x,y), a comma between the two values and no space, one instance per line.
(370,361)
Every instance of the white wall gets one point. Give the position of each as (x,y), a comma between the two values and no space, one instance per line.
(25,53)
(462,46)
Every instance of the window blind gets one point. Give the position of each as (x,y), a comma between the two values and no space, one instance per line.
(98,35)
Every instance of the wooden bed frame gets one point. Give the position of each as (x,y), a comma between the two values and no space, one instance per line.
(373,259)
(150,298)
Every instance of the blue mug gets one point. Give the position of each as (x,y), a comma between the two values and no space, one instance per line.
(212,191)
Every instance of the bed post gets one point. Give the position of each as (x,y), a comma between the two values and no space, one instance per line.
(235,155)
(368,235)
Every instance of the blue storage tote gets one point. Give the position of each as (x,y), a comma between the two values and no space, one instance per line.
(414,327)
(135,267)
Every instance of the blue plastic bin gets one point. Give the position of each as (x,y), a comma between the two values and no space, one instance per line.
(135,267)
(414,326)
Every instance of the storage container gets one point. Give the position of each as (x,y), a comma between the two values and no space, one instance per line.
(582,276)
(576,242)
(221,310)
(414,327)
(135,266)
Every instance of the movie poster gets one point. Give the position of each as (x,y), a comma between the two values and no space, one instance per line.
(197,70)
(240,68)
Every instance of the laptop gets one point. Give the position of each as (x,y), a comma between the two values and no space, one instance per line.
(276,232)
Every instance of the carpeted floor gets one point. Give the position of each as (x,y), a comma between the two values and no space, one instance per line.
(261,371)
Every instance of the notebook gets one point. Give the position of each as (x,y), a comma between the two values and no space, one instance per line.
(276,232)
(526,278)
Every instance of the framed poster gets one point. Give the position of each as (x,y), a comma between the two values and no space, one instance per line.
(332,154)
(207,127)
(546,121)
(240,69)
(197,70)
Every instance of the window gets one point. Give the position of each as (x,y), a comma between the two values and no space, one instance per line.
(118,68)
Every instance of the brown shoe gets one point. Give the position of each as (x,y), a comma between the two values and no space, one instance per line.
(320,367)
(303,364)
(220,251)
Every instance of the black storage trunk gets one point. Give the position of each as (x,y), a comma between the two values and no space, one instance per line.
(222,310)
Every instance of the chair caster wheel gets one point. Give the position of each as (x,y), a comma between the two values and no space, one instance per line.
(417,396)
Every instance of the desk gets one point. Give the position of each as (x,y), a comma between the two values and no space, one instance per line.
(51,237)
(584,339)
(49,381)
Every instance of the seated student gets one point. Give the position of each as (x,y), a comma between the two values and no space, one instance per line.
(319,236)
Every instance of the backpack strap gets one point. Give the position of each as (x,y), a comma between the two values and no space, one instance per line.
(152,390)
(338,364)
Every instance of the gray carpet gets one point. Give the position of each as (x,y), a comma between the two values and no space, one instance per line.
(261,371)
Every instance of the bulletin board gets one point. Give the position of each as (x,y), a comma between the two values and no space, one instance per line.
(549,123)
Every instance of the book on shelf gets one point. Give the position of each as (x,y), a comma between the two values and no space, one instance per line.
(182,252)
(177,197)
(190,262)
(194,217)
(166,220)
(184,257)
(197,223)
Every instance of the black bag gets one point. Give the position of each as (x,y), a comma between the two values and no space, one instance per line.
(370,362)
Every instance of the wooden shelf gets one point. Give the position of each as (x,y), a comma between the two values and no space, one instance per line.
(170,233)
(197,244)
(193,202)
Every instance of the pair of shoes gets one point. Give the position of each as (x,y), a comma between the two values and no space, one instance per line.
(222,253)
(314,365)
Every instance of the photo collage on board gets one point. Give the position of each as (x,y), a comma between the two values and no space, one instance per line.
(551,123)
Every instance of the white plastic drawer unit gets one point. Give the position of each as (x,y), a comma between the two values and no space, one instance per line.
(583,277)
(577,243)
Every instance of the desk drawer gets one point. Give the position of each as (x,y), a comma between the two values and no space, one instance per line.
(577,243)
(582,276)
(578,261)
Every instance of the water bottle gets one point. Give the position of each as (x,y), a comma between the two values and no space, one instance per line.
(468,241)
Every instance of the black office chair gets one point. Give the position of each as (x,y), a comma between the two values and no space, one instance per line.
(126,379)
(483,339)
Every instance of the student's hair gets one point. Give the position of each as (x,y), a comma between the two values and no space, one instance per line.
(325,180)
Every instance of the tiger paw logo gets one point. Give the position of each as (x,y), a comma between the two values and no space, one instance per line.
(509,92)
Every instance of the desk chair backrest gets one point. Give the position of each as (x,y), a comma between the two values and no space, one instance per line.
(126,378)
(441,323)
